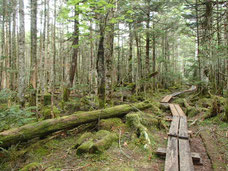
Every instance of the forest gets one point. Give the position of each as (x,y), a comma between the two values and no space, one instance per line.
(119,85)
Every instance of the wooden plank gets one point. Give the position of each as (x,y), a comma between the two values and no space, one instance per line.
(183,128)
(179,110)
(197,160)
(176,94)
(186,163)
(174,127)
(169,98)
(171,160)
(173,110)
(166,99)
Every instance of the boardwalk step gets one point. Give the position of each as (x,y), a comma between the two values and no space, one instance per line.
(183,128)
(166,99)
(174,128)
(197,160)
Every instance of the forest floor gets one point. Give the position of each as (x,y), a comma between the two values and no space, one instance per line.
(209,138)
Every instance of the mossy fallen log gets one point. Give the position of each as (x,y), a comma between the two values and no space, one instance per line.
(43,128)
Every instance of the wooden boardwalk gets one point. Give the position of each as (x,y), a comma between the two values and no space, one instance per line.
(178,153)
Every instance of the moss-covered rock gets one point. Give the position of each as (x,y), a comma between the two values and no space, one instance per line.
(31,167)
(100,134)
(215,108)
(134,120)
(112,124)
(84,137)
(104,143)
(85,147)
(46,112)
(95,143)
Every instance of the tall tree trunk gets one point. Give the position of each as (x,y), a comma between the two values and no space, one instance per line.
(154,55)
(43,53)
(206,41)
(130,53)
(101,66)
(53,63)
(118,59)
(74,64)
(14,48)
(21,56)
(33,60)
(109,56)
(148,44)
(75,48)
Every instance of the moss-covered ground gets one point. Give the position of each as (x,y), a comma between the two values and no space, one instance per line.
(127,151)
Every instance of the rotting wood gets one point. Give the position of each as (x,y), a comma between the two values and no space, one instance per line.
(186,163)
(43,128)
(171,160)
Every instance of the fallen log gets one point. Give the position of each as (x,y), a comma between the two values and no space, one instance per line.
(43,128)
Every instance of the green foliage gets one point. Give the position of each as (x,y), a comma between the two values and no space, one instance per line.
(31,167)
(6,94)
(14,117)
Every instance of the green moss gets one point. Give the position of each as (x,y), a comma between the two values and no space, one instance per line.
(178,101)
(155,107)
(133,119)
(66,94)
(127,169)
(39,152)
(3,107)
(84,137)
(31,167)
(112,124)
(89,143)
(104,143)
(100,134)
(192,111)
(149,121)
(225,118)
(85,147)
(46,112)
(216,108)
(205,102)
(72,106)
(47,99)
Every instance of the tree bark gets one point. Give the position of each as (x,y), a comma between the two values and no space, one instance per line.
(40,129)
(101,67)
(33,60)
(21,55)
(130,53)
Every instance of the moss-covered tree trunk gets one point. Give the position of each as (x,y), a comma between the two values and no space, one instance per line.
(39,129)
